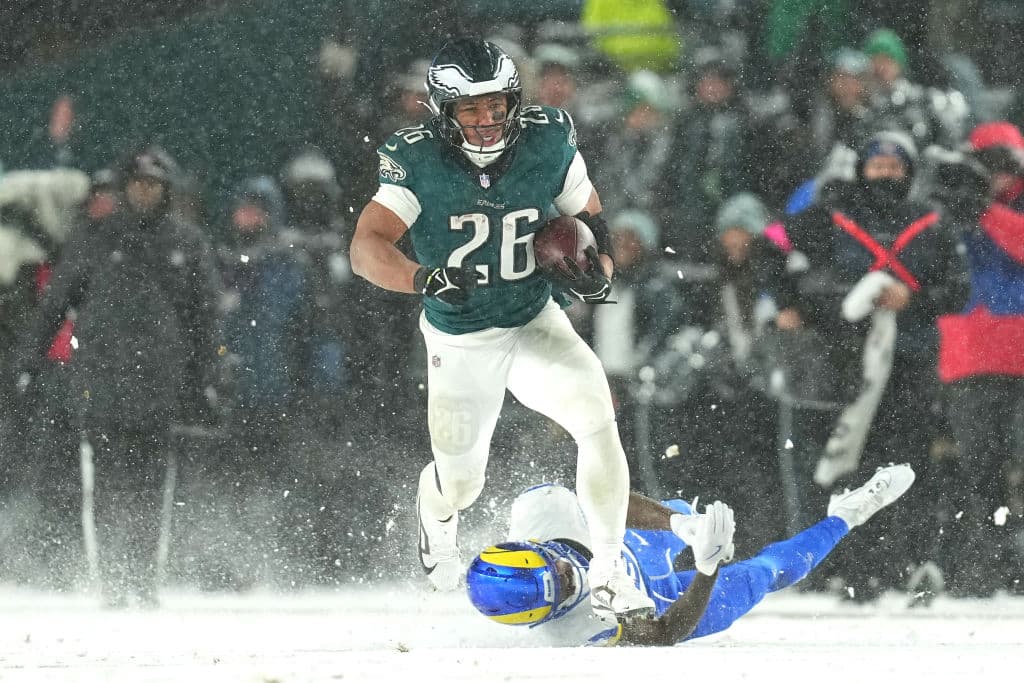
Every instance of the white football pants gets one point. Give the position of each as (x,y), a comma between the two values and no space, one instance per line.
(550,369)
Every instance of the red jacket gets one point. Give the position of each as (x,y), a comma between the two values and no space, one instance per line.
(988,337)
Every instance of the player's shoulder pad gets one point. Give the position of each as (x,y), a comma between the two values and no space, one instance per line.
(537,119)
(400,151)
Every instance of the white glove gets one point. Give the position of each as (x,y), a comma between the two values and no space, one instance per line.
(712,541)
(685,526)
(860,301)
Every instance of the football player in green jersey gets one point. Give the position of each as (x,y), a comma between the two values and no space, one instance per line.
(472,186)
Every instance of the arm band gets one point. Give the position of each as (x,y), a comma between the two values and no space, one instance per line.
(598,226)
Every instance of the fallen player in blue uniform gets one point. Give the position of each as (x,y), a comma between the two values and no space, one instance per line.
(542,581)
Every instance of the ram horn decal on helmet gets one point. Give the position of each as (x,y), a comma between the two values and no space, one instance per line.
(518,583)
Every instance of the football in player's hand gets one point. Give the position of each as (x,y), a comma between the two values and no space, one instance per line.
(561,237)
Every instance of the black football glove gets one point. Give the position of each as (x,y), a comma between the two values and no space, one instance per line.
(450,285)
(591,286)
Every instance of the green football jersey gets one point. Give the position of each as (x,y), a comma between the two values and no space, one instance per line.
(469,217)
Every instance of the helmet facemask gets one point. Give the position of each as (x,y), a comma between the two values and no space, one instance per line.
(510,128)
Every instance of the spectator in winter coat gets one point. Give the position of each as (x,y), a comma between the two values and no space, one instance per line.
(880,266)
(144,288)
(556,67)
(268,307)
(742,256)
(740,313)
(981,361)
(627,336)
(38,209)
(839,111)
(407,92)
(267,316)
(709,160)
(361,336)
(928,115)
(635,156)
(647,311)
(315,228)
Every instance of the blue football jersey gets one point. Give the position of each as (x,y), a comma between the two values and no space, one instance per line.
(650,555)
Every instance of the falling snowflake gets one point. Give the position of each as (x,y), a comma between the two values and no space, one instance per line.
(1000,515)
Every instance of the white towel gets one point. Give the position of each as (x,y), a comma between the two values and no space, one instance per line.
(846,444)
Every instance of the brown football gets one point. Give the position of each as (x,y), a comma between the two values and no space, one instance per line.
(560,237)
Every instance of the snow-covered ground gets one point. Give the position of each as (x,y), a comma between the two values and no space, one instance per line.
(400,632)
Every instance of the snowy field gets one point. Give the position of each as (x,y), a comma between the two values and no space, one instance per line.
(401,633)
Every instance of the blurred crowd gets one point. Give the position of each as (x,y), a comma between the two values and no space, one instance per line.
(817,214)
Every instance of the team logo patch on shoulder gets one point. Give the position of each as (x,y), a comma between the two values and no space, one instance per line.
(390,169)
(572,129)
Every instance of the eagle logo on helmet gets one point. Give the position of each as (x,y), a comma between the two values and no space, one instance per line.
(446,77)
(455,82)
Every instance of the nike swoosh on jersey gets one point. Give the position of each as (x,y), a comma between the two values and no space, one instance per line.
(390,147)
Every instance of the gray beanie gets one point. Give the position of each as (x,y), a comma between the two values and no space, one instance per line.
(309,166)
(638,222)
(547,54)
(744,210)
(850,61)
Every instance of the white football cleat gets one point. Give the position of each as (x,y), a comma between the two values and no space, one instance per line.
(857,506)
(614,594)
(438,550)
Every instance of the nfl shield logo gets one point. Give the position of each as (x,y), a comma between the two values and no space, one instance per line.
(485,180)
(436,361)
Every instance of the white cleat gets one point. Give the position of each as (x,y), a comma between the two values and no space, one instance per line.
(614,594)
(857,506)
(438,550)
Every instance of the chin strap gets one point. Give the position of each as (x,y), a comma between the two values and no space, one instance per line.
(483,159)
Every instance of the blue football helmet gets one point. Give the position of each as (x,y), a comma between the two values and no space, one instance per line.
(527,584)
